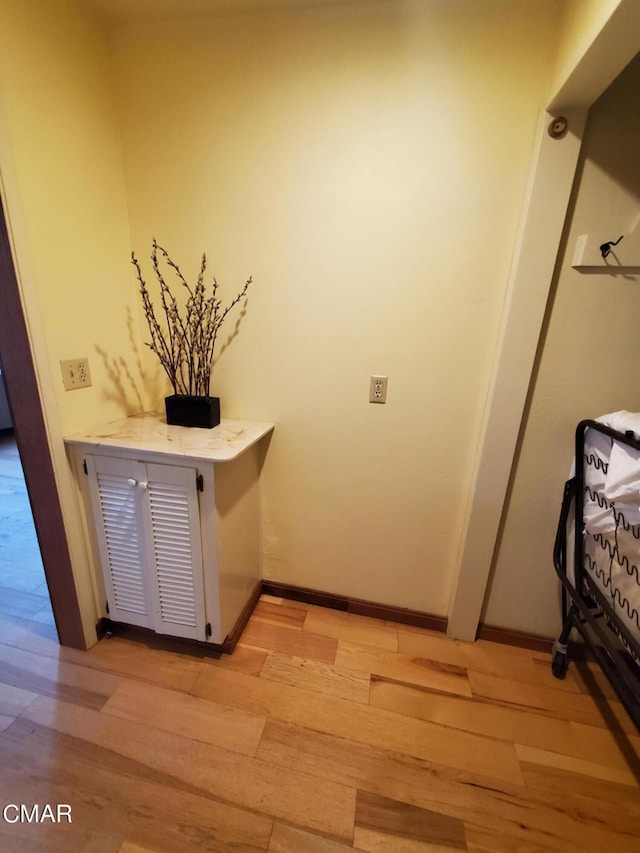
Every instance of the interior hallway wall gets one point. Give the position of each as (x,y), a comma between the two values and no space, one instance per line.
(589,364)
(366,164)
(62,173)
(63,186)
(579,24)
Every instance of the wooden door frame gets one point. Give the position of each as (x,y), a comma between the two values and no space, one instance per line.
(27,416)
(535,257)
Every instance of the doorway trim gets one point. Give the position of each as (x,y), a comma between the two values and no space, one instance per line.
(33,445)
(535,258)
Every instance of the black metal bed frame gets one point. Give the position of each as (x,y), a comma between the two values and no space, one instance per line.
(584,606)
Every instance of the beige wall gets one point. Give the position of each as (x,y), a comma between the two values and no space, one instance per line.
(61,168)
(589,365)
(367,165)
(579,25)
(63,186)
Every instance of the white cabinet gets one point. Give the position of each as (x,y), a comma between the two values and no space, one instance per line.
(147,525)
(173,515)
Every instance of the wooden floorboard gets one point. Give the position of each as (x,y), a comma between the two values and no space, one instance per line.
(324,731)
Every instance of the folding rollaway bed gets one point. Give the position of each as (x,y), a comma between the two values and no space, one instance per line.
(597,553)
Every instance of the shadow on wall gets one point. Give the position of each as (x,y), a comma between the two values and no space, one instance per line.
(131,390)
(141,389)
(612,144)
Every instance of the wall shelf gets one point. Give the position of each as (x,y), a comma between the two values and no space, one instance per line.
(623,258)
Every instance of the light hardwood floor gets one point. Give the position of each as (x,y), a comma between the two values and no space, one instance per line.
(323,732)
(23,590)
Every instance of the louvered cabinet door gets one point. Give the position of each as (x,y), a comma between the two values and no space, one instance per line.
(115,499)
(173,538)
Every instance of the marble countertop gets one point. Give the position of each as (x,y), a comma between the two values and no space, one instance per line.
(151,433)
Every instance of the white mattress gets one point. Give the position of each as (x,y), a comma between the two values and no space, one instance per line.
(611,516)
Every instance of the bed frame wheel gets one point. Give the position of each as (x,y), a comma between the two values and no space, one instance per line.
(559,661)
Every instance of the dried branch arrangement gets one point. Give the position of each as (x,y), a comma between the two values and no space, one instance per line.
(185,341)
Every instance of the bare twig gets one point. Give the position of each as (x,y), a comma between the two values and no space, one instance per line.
(185,342)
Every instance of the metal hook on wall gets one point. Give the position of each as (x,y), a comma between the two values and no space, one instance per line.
(605,249)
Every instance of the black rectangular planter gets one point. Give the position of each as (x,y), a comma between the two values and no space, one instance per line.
(183,410)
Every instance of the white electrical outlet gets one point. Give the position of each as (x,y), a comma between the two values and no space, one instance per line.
(75,373)
(378,389)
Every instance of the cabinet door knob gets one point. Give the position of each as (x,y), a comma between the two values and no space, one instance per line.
(143,485)
(132,482)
